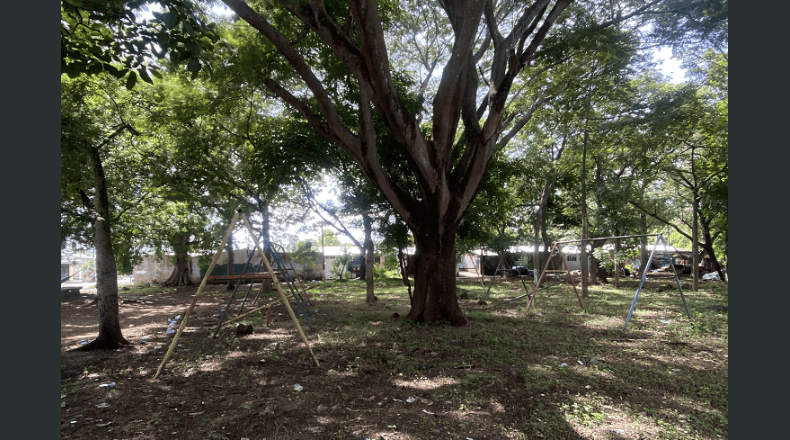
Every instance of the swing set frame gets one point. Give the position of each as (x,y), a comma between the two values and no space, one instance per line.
(558,248)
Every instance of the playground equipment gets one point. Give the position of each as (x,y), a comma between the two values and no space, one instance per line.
(275,279)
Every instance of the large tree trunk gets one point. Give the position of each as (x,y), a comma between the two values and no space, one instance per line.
(447,181)
(110,336)
(182,270)
(707,244)
(434,296)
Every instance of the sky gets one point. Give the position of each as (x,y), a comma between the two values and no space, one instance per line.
(669,66)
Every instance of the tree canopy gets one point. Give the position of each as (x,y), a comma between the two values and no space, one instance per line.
(469,122)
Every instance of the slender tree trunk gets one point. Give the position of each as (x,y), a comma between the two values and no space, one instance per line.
(694,242)
(643,254)
(231,262)
(616,262)
(593,272)
(536,266)
(263,206)
(583,199)
(110,336)
(403,273)
(370,298)
(434,296)
(540,228)
(707,244)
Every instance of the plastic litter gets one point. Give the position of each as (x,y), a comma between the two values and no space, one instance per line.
(713,276)
(298,387)
(410,400)
(103,405)
(170,330)
(580,362)
(540,314)
(563,365)
(83,342)
(619,431)
(107,385)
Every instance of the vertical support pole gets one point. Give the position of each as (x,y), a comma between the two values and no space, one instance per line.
(570,277)
(280,289)
(197,294)
(680,288)
(641,283)
(540,278)
(494,276)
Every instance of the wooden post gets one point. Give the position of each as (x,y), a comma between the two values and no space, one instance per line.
(279,289)
(197,294)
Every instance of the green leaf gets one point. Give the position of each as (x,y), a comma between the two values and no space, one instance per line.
(189,29)
(132,80)
(118,73)
(193,65)
(145,77)
(170,20)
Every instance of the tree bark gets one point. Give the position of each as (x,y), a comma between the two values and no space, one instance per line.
(110,336)
(446,182)
(694,241)
(707,244)
(369,264)
(644,255)
(583,200)
(182,270)
(434,297)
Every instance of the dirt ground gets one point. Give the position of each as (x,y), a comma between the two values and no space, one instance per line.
(231,387)
(265,385)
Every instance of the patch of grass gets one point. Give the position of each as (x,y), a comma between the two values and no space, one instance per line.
(556,372)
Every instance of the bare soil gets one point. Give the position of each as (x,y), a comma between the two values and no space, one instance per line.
(265,385)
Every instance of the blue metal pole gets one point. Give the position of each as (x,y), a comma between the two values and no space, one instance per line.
(680,289)
(641,283)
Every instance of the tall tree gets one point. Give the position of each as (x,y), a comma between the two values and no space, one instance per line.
(493,45)
(91,124)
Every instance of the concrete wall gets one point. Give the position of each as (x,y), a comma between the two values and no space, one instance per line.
(153,270)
